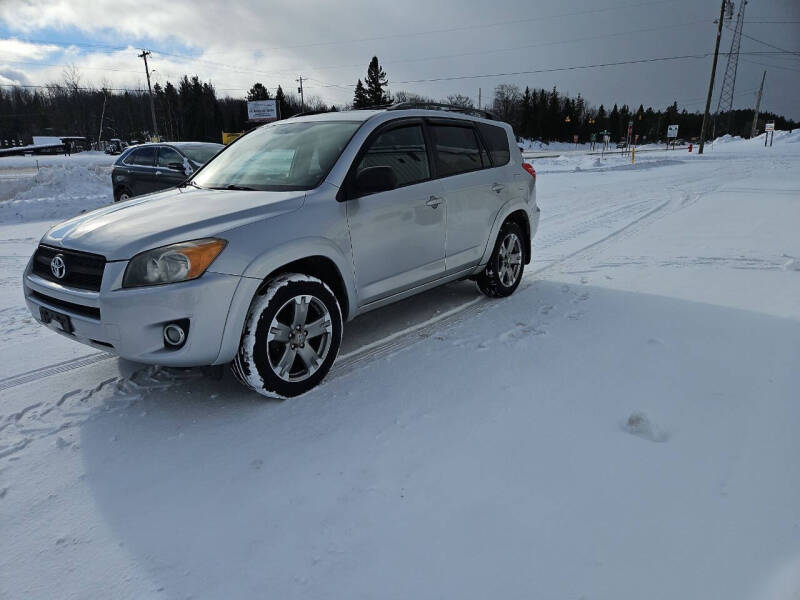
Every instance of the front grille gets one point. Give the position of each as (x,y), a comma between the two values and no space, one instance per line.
(82,270)
(78,309)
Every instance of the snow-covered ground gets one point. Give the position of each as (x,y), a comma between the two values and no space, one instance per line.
(623,427)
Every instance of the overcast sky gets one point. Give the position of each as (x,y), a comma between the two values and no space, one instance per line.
(234,43)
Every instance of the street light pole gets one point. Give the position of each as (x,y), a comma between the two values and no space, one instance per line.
(711,82)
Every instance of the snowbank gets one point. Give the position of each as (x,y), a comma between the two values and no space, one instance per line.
(48,160)
(57,192)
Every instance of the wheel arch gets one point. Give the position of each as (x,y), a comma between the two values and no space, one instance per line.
(520,217)
(317,258)
(518,213)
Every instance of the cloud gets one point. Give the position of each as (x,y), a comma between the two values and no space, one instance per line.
(11,76)
(236,43)
(16,50)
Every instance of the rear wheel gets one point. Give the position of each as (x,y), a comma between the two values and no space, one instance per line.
(503,272)
(291,337)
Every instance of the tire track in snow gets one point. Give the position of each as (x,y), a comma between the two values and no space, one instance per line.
(385,346)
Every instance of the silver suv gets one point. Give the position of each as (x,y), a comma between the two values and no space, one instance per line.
(293,229)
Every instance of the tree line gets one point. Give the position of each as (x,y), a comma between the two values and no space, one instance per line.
(191,109)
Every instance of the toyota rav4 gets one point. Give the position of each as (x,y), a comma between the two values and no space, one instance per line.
(297,227)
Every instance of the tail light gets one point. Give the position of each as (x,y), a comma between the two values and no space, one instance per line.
(529,168)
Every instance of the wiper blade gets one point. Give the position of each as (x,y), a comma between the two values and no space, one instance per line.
(191,183)
(233,186)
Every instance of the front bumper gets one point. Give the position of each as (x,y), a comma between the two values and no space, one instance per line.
(130,322)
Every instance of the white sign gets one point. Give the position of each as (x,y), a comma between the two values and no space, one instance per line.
(770,127)
(262,110)
(672,131)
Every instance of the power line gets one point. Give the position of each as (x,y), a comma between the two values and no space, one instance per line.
(750,37)
(753,62)
(477,26)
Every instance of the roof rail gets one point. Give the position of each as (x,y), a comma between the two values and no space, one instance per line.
(445,107)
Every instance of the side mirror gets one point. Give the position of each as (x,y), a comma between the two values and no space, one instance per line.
(175,166)
(375,179)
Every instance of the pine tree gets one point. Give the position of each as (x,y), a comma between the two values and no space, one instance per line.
(258,92)
(360,98)
(376,84)
(283,107)
(526,114)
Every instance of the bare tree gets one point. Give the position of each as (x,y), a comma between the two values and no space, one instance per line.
(460,100)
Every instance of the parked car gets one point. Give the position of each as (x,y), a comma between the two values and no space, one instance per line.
(622,144)
(297,227)
(150,168)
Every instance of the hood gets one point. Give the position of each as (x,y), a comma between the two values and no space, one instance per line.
(120,231)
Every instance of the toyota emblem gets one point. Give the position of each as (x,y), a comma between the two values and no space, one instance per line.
(58,267)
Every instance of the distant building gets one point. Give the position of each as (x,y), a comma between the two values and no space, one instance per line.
(44,144)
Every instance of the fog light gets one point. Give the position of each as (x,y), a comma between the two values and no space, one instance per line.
(174,335)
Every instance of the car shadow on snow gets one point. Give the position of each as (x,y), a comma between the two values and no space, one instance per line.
(474,463)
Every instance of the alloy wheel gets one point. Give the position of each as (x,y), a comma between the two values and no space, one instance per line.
(299,338)
(510,259)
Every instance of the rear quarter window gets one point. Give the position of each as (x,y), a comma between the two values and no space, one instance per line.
(496,140)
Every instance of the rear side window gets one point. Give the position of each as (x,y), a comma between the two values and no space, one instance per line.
(166,156)
(497,142)
(145,157)
(457,149)
(403,149)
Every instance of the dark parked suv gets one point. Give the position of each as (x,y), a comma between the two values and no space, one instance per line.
(153,167)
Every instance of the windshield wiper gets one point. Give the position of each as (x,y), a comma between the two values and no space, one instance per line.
(233,186)
(189,182)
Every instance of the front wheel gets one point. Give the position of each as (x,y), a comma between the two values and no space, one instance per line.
(291,337)
(122,194)
(503,272)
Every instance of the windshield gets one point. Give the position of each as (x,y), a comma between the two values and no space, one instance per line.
(283,156)
(201,153)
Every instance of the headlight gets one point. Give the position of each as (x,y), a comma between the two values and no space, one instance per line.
(170,264)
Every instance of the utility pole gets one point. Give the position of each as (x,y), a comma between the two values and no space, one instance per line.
(479,98)
(300,91)
(758,105)
(103,115)
(144,55)
(713,73)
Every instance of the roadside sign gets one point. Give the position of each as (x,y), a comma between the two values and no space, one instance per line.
(593,137)
(227,138)
(606,138)
(575,138)
(262,111)
(672,131)
(770,126)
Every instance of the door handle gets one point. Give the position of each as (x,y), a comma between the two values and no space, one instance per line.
(498,187)
(434,201)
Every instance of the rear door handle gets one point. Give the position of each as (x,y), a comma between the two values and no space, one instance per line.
(434,201)
(498,187)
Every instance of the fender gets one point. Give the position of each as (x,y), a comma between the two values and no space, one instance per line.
(268,262)
(509,207)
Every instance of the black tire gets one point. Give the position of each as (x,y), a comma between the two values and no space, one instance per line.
(276,304)
(494,281)
(121,191)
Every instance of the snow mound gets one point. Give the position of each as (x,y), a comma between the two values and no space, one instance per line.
(59,191)
(727,139)
(639,425)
